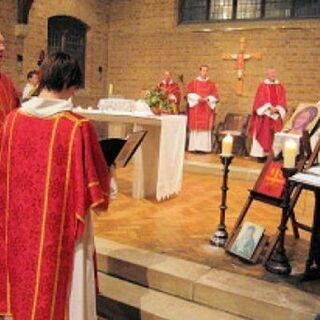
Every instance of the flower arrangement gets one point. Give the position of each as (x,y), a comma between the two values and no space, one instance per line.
(158,101)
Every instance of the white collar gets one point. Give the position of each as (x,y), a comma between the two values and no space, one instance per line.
(44,107)
(170,82)
(200,79)
(267,81)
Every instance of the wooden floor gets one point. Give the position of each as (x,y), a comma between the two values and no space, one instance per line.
(183,225)
(215,159)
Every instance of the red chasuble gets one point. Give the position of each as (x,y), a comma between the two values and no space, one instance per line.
(51,172)
(263,126)
(9,98)
(171,88)
(201,116)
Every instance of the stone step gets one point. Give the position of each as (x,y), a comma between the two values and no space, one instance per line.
(215,169)
(237,294)
(128,301)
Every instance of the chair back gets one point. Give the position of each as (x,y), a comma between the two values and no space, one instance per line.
(235,122)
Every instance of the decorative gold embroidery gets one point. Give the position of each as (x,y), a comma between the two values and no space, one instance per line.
(93,184)
(69,115)
(65,198)
(95,204)
(44,217)
(7,206)
(80,218)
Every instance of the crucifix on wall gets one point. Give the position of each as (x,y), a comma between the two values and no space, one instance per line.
(240,59)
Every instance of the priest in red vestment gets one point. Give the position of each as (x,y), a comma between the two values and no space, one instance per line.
(202,98)
(9,98)
(268,112)
(52,173)
(171,88)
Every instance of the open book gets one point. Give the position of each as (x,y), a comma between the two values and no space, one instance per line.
(118,152)
(310,177)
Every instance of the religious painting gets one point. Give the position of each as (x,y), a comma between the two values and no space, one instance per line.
(305,117)
(271,183)
(247,240)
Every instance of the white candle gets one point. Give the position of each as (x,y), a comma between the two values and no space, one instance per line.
(227,143)
(289,154)
(110,90)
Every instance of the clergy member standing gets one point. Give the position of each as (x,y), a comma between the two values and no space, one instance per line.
(32,85)
(268,111)
(52,173)
(171,88)
(202,98)
(9,98)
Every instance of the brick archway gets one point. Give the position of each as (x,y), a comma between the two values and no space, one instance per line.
(24,7)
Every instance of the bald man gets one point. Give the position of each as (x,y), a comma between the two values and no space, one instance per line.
(171,88)
(268,112)
(9,98)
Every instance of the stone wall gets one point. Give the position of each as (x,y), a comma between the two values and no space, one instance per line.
(13,45)
(145,39)
(94,13)
(134,41)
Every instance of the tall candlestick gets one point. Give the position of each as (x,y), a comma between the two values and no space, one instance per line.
(227,144)
(289,154)
(110,90)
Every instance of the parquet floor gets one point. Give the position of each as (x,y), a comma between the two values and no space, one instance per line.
(183,225)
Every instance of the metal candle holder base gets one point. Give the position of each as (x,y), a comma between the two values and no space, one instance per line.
(220,237)
(279,262)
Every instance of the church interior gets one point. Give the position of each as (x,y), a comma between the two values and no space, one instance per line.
(156,257)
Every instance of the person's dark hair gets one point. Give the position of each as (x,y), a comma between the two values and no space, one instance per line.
(60,71)
(30,74)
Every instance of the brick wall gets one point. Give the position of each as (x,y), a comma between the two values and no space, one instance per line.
(12,44)
(135,40)
(94,13)
(145,39)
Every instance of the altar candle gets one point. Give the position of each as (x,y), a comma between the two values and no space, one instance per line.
(227,144)
(289,154)
(110,90)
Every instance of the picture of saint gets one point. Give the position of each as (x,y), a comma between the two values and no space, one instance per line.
(247,240)
(303,118)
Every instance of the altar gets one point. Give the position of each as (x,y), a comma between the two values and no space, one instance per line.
(158,163)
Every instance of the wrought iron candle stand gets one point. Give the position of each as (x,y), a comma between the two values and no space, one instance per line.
(220,236)
(279,262)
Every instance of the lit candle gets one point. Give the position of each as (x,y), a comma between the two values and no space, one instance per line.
(227,144)
(110,91)
(289,154)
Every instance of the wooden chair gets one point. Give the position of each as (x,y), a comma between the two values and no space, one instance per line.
(235,124)
(306,159)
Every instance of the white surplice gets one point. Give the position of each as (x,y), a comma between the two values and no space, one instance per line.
(200,140)
(256,148)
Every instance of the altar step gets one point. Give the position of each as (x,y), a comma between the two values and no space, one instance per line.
(122,300)
(139,284)
(215,169)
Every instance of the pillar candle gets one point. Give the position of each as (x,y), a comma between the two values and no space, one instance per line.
(227,144)
(110,91)
(289,154)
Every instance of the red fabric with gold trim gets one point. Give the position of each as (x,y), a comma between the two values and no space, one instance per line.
(52,171)
(201,116)
(264,126)
(272,182)
(172,88)
(9,98)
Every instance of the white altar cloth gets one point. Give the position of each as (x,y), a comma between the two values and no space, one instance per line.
(158,164)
